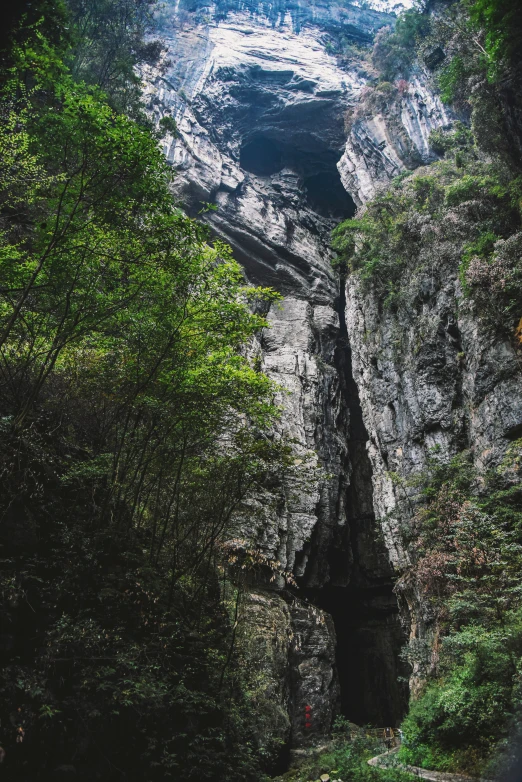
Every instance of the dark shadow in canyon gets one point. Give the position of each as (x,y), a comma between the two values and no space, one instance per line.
(369,638)
(320,182)
(359,593)
(327,196)
(364,606)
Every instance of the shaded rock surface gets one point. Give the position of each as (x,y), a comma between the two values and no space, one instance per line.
(433,379)
(288,647)
(259,105)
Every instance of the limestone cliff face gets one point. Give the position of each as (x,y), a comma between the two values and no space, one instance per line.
(433,378)
(288,650)
(260,105)
(386,141)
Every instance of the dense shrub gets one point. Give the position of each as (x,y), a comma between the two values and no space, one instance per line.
(394,50)
(347,758)
(446,215)
(132,427)
(466,544)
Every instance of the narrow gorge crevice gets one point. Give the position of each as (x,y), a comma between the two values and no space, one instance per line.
(360,594)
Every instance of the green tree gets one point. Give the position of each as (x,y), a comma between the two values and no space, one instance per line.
(133,427)
(467,548)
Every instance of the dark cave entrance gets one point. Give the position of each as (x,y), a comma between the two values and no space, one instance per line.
(261,156)
(327,196)
(369,638)
(320,182)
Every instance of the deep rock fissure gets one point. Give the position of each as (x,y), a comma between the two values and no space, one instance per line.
(369,638)
(360,596)
(358,588)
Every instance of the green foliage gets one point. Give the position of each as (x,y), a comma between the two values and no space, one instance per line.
(451,79)
(130,658)
(459,139)
(133,429)
(471,203)
(394,51)
(428,192)
(168,125)
(109,41)
(347,758)
(460,718)
(503,27)
(467,548)
(488,184)
(22,20)
(359,243)
(482,247)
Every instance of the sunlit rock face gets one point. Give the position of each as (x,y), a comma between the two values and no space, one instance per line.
(260,115)
(384,145)
(260,105)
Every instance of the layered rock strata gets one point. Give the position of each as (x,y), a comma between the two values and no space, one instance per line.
(259,105)
(385,142)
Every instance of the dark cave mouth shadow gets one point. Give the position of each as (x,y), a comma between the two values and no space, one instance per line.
(320,181)
(372,676)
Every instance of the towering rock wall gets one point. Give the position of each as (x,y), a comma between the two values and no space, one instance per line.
(388,139)
(260,107)
(435,379)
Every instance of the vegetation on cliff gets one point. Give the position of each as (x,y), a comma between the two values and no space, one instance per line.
(466,545)
(465,209)
(460,218)
(132,424)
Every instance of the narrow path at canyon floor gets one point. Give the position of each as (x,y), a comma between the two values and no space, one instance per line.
(386,761)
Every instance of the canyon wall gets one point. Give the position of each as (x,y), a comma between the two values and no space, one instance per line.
(435,379)
(260,106)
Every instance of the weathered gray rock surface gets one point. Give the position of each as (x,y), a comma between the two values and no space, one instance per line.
(383,145)
(260,105)
(434,380)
